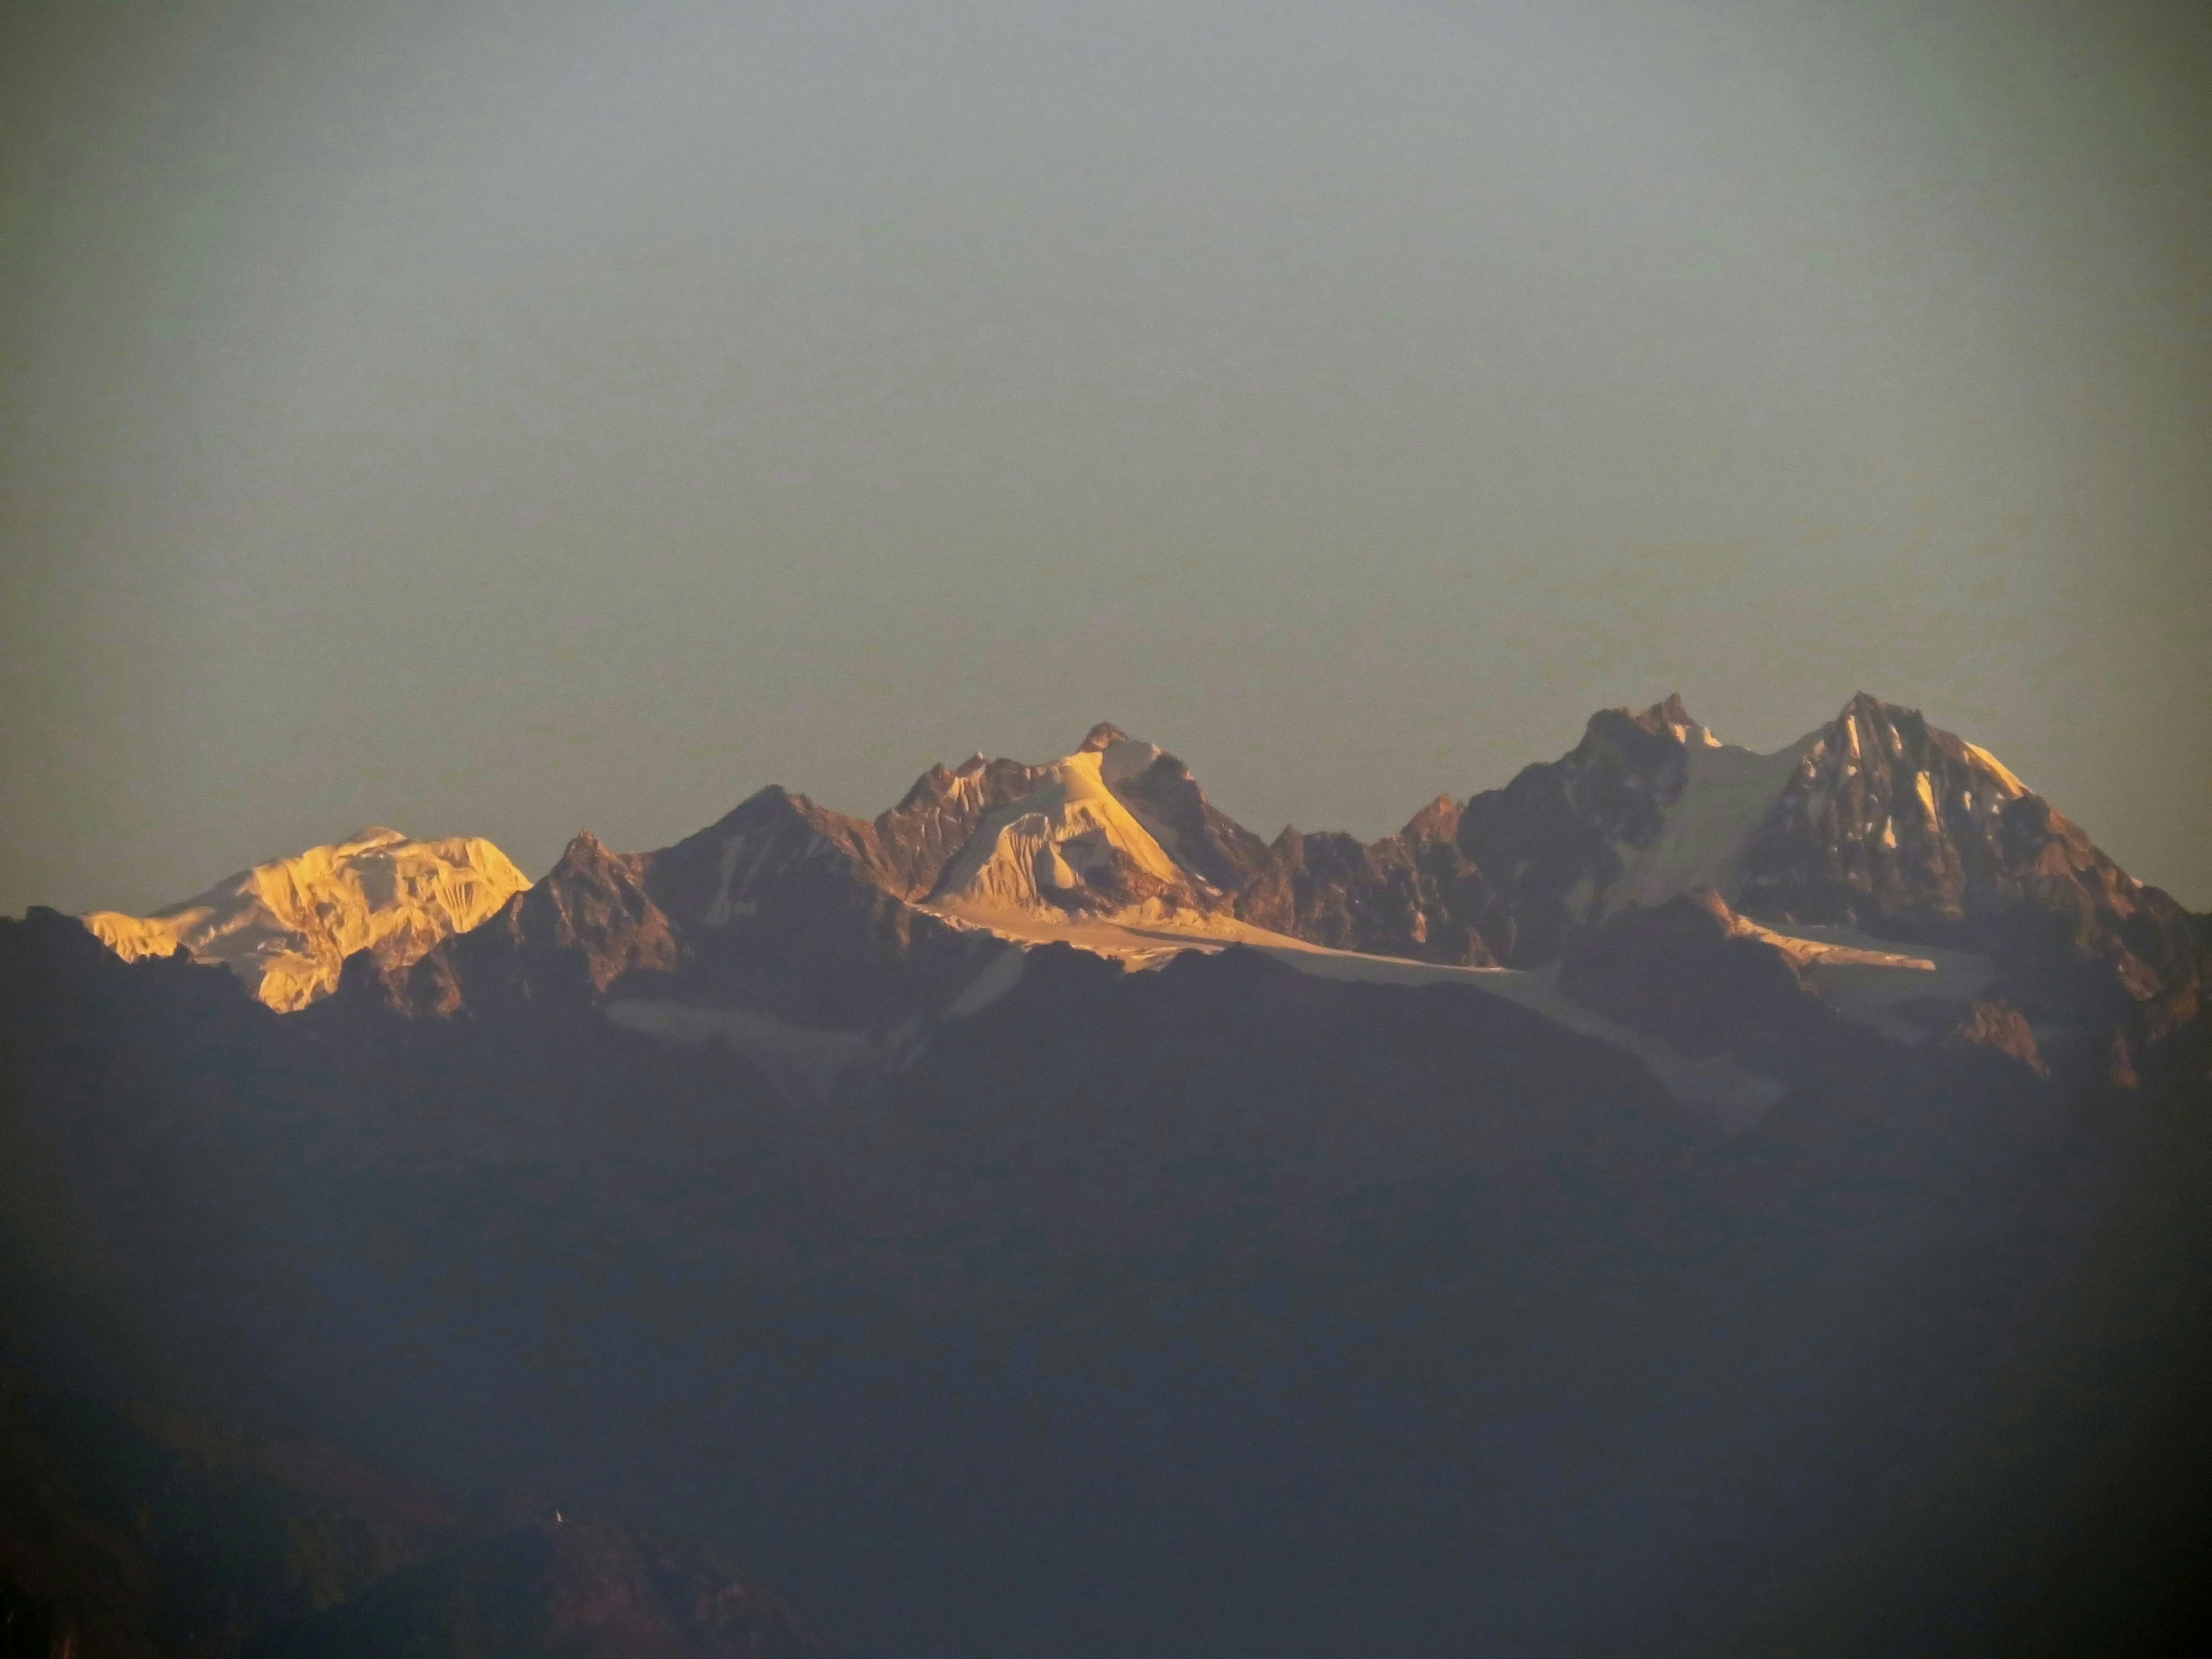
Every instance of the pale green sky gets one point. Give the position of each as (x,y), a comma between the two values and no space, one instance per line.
(506,419)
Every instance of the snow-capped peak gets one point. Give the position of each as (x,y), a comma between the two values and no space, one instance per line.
(286,926)
(1068,844)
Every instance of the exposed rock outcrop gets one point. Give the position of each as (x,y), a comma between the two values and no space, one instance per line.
(586,924)
(1649,804)
(791,906)
(780,903)
(2001,1029)
(927,830)
(1414,894)
(1892,825)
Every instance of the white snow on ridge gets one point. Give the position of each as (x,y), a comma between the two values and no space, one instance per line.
(285,927)
(1851,971)
(1726,797)
(1718,1090)
(1862,982)
(1050,839)
(2012,786)
(1837,947)
(1137,942)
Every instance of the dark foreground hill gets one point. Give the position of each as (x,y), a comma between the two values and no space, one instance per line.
(1326,1317)
(135,1532)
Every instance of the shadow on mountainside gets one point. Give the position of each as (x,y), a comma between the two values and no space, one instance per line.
(1216,1310)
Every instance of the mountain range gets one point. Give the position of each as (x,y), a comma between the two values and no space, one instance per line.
(1901,871)
(1684,1201)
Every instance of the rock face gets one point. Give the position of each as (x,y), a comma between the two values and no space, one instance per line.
(635,1275)
(1118,824)
(1414,894)
(820,917)
(1876,821)
(1646,806)
(1890,824)
(1886,821)
(2001,1029)
(780,904)
(796,908)
(922,833)
(286,926)
(586,924)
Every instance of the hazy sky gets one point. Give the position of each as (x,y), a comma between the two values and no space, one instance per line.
(506,419)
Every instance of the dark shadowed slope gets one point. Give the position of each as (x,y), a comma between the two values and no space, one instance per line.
(804,1189)
(1218,1309)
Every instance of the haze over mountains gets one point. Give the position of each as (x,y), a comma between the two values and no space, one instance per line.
(1684,1201)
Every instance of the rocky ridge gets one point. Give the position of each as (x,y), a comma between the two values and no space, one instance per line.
(1877,824)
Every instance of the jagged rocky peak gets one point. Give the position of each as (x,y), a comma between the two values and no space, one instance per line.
(286,926)
(586,859)
(1410,895)
(1123,758)
(1667,718)
(1867,820)
(1668,722)
(773,841)
(1438,821)
(586,922)
(1505,875)
(1649,804)
(1875,821)
(1886,819)
(1413,894)
(1896,826)
(1164,795)
(1633,764)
